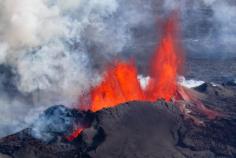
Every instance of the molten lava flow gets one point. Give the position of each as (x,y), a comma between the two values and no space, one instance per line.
(165,65)
(120,85)
(191,97)
(74,135)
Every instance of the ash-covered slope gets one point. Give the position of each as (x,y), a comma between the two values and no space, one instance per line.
(221,97)
(133,130)
(158,130)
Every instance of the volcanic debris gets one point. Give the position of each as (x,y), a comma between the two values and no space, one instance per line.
(132,130)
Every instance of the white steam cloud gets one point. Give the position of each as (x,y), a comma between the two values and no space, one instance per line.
(51,51)
(210,27)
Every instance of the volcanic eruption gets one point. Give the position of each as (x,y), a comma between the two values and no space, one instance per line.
(121,117)
(120,83)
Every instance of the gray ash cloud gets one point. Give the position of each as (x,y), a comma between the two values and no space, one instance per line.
(51,51)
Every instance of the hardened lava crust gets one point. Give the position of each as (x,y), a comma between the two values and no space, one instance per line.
(135,130)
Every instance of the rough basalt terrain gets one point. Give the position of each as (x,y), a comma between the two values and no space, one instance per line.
(132,130)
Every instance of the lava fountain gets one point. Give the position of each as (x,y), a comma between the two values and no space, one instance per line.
(166,64)
(120,83)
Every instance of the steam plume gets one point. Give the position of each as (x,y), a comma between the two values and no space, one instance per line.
(54,50)
(51,51)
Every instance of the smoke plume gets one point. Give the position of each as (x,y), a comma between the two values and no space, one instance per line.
(55,50)
(209,28)
(52,51)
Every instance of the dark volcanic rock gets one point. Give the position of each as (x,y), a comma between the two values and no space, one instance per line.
(139,130)
(220,97)
(157,130)
(59,120)
(133,130)
(46,138)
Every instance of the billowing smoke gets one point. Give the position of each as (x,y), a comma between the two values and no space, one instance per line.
(210,28)
(54,50)
(51,51)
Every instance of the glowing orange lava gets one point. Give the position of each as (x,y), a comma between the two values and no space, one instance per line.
(74,135)
(165,65)
(120,83)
